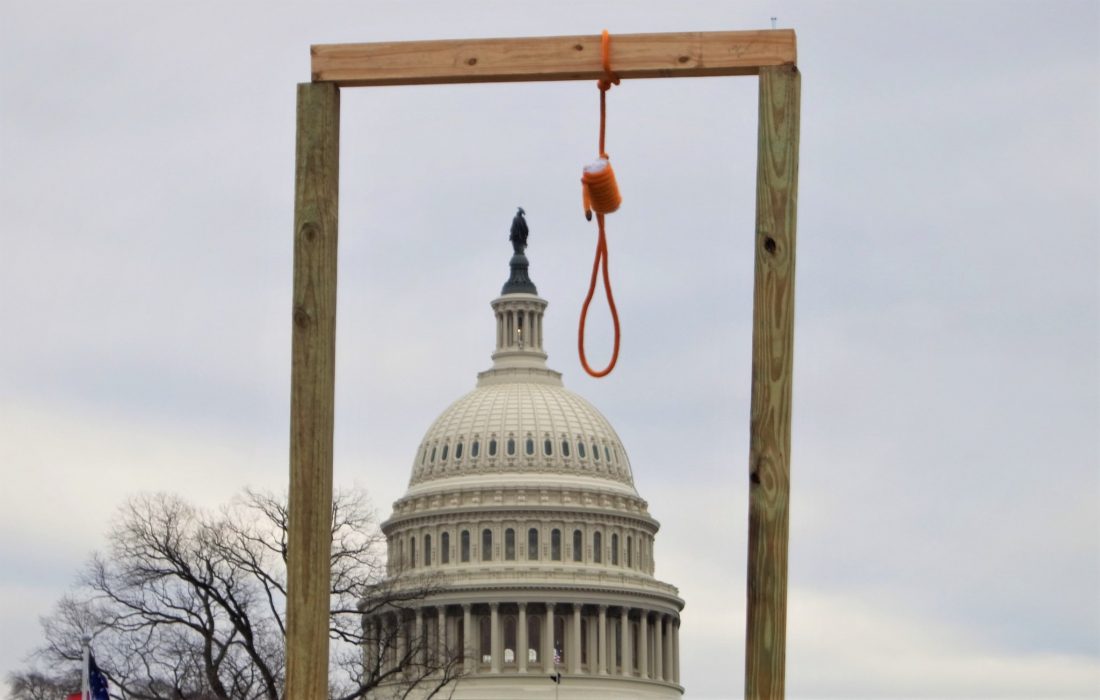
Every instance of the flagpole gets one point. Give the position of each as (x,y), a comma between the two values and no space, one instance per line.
(85,684)
(557,664)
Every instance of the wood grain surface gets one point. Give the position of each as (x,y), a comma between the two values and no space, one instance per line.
(668,55)
(312,385)
(772,362)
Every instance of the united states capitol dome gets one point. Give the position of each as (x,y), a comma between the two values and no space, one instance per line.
(523,518)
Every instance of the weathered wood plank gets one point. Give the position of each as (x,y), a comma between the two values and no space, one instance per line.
(312,386)
(669,55)
(772,363)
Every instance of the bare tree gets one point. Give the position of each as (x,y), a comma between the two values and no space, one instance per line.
(34,685)
(191,604)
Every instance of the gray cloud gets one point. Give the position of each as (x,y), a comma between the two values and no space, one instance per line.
(946,470)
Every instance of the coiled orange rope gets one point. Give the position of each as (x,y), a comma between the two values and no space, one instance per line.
(601,195)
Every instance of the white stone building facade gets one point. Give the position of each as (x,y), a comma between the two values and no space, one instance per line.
(522,511)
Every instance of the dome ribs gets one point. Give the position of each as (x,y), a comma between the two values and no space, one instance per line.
(522,410)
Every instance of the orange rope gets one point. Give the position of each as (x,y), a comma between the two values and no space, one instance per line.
(601,257)
(601,194)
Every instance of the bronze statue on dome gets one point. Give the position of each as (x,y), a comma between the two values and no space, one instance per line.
(518,237)
(518,280)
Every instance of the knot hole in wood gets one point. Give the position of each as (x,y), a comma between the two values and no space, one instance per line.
(309,231)
(301,317)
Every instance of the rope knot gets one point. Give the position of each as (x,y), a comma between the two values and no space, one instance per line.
(601,191)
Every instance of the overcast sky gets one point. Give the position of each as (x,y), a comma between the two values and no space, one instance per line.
(945,536)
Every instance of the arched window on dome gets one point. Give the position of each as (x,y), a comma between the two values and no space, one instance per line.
(634,645)
(584,649)
(534,637)
(412,552)
(614,549)
(578,545)
(511,446)
(533,544)
(427,550)
(564,448)
(529,446)
(445,548)
(486,545)
(475,447)
(548,447)
(432,459)
(559,637)
(510,544)
(460,633)
(555,544)
(458,451)
(597,547)
(443,455)
(509,640)
(618,635)
(423,455)
(630,551)
(595,452)
(493,447)
(464,545)
(580,449)
(486,639)
(606,453)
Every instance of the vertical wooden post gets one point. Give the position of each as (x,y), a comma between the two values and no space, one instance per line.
(772,360)
(312,386)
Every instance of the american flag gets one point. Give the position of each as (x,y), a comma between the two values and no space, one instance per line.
(97,683)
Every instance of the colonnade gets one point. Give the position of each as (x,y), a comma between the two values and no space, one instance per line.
(491,638)
(519,328)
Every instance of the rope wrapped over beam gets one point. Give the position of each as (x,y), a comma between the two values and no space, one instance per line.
(666,55)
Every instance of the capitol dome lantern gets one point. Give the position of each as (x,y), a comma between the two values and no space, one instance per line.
(522,513)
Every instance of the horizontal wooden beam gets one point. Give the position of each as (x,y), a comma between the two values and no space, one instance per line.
(671,55)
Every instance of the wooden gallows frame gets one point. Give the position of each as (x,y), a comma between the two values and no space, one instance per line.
(769,54)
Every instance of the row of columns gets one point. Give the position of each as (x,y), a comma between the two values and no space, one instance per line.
(387,642)
(510,321)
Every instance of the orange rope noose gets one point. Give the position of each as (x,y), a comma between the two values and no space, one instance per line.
(601,194)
